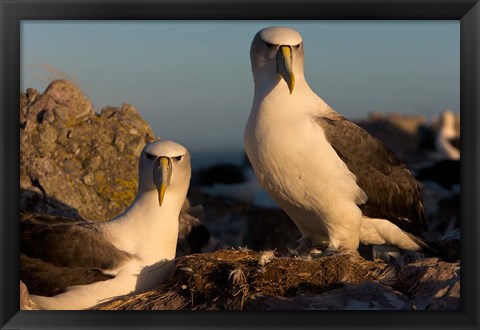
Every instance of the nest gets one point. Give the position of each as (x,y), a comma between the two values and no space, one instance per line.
(231,279)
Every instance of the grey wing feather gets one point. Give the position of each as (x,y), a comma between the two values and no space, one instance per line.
(65,242)
(393,193)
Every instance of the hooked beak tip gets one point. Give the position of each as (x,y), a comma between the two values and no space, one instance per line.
(161,193)
(291,85)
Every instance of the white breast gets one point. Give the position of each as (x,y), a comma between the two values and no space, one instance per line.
(298,167)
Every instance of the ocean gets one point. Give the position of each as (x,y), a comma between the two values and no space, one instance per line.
(204,159)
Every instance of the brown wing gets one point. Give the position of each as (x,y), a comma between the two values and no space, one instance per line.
(393,193)
(45,279)
(67,243)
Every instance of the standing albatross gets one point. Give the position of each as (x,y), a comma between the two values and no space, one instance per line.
(135,248)
(447,141)
(339,185)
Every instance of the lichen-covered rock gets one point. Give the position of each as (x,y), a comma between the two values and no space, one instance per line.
(62,100)
(73,161)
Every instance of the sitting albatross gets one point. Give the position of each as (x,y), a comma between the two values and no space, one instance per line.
(135,248)
(340,185)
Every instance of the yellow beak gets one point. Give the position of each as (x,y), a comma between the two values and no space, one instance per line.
(165,171)
(284,66)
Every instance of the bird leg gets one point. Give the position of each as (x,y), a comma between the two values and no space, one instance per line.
(304,246)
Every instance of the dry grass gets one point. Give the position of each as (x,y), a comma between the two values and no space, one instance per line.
(51,73)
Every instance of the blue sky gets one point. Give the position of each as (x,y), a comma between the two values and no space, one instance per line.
(191,80)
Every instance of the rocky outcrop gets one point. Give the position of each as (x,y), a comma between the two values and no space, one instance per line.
(431,284)
(73,161)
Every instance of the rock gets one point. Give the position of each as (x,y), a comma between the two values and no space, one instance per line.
(238,224)
(432,194)
(449,245)
(70,162)
(62,98)
(32,95)
(193,236)
(432,284)
(271,229)
(363,296)
(443,219)
(445,173)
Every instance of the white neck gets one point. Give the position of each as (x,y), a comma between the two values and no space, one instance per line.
(265,83)
(270,93)
(146,229)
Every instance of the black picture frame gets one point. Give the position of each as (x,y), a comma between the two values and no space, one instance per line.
(12,12)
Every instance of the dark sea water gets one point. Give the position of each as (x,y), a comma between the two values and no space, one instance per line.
(202,160)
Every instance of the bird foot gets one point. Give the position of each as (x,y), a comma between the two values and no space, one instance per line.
(306,250)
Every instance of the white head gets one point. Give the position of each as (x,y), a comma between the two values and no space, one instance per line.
(447,121)
(164,165)
(277,53)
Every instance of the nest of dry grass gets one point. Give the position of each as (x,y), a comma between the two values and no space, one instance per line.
(229,279)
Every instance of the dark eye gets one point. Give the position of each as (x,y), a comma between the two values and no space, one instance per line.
(297,46)
(150,156)
(269,45)
(178,158)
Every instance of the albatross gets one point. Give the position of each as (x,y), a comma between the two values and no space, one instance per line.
(447,141)
(340,185)
(134,250)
